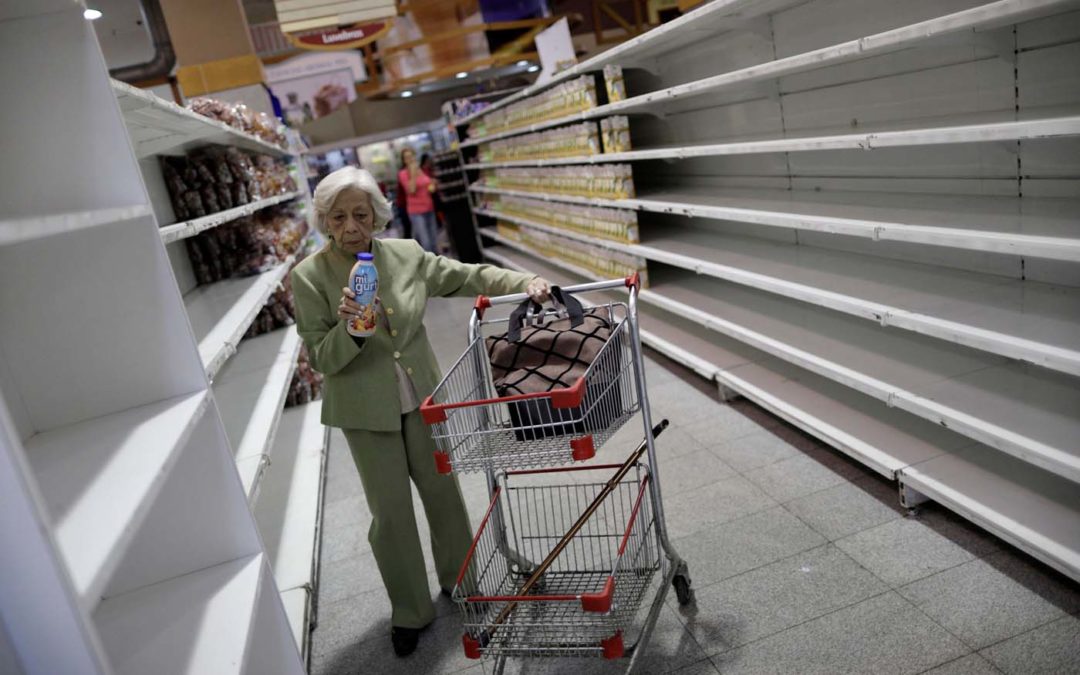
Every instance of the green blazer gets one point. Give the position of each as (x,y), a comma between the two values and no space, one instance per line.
(360,390)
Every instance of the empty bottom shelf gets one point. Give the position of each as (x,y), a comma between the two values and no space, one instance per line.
(194,624)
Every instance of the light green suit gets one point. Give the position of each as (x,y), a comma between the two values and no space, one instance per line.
(360,395)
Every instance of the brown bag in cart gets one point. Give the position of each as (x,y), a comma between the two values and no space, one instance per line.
(529,359)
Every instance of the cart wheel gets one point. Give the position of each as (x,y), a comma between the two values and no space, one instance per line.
(683,593)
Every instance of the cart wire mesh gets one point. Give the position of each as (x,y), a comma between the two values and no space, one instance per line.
(477,430)
(616,546)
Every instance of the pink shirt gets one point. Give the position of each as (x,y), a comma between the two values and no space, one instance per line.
(419,201)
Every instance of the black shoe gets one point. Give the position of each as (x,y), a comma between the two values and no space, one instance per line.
(404,640)
(446,591)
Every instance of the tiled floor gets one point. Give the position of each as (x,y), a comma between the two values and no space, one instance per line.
(802,562)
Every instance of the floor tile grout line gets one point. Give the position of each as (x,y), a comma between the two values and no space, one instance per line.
(827,544)
(920,610)
(1030,630)
(803,623)
(958,658)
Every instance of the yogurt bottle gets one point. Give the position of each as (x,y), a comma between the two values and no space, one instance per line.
(364,282)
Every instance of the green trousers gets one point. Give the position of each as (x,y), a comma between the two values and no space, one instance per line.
(386,461)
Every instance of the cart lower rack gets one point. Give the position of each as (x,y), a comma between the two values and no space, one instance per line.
(588,598)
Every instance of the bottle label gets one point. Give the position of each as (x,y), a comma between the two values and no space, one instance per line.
(365,284)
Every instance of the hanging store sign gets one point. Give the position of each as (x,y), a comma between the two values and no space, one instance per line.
(347,37)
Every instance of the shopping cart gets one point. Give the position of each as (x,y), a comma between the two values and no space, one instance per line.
(586,601)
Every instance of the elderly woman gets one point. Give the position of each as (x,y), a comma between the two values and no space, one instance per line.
(374,385)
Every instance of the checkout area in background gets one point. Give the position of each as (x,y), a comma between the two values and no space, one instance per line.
(380,154)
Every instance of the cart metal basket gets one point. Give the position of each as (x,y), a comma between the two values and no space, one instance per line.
(588,598)
(475,429)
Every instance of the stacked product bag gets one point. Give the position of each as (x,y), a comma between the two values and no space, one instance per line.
(242,118)
(246,246)
(215,179)
(306,384)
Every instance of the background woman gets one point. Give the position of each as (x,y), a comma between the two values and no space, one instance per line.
(374,385)
(418,200)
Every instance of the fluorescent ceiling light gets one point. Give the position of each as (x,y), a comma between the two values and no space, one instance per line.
(461,75)
(533,69)
(406,94)
(91,14)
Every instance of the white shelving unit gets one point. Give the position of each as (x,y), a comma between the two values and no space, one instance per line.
(134,549)
(250,377)
(915,306)
(1031,509)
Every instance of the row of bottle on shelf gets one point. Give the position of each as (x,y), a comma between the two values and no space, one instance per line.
(606,181)
(565,98)
(586,138)
(214,179)
(596,221)
(598,260)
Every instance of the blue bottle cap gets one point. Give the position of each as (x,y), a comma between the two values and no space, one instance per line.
(365,256)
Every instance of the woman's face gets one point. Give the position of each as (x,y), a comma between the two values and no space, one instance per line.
(351,220)
(408,156)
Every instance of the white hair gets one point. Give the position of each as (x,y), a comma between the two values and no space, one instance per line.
(328,189)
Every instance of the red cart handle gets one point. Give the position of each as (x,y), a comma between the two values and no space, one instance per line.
(567,397)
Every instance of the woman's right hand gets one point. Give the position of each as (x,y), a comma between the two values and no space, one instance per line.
(348,308)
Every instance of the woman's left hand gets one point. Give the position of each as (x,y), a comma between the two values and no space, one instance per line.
(539,290)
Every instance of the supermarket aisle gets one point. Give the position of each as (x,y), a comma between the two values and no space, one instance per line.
(802,562)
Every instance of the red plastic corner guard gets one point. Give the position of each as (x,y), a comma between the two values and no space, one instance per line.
(472,646)
(599,602)
(582,448)
(442,462)
(569,397)
(431,413)
(613,646)
(634,280)
(481,304)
